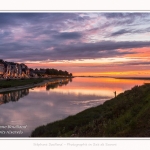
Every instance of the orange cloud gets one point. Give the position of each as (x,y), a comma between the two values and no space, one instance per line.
(140,53)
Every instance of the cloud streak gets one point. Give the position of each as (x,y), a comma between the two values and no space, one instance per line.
(130,31)
(101,49)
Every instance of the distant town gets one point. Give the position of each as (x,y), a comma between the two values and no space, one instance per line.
(12,70)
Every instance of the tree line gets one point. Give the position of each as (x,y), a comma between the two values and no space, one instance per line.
(57,72)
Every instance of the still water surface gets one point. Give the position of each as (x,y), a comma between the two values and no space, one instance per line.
(22,111)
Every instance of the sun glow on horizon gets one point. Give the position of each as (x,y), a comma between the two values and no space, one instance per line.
(116,74)
(135,64)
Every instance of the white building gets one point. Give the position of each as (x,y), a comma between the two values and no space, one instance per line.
(13,70)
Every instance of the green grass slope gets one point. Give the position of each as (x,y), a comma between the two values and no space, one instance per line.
(127,115)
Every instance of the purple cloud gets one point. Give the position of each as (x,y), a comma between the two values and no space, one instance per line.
(67,36)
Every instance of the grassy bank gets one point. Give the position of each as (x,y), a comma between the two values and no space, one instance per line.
(19,82)
(127,115)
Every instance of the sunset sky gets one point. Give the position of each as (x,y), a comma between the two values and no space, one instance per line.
(84,43)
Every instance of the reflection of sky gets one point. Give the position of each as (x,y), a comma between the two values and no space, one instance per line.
(99,86)
(41,107)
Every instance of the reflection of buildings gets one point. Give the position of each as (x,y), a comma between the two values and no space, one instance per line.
(13,96)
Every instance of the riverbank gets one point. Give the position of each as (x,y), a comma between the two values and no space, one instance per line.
(18,84)
(127,115)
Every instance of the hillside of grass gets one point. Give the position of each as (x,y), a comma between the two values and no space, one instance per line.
(127,115)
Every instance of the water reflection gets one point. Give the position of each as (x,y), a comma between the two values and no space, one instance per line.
(31,110)
(13,96)
(51,102)
(56,85)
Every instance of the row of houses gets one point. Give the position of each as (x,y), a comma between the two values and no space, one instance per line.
(13,70)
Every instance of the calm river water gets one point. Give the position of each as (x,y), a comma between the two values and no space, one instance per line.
(22,111)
